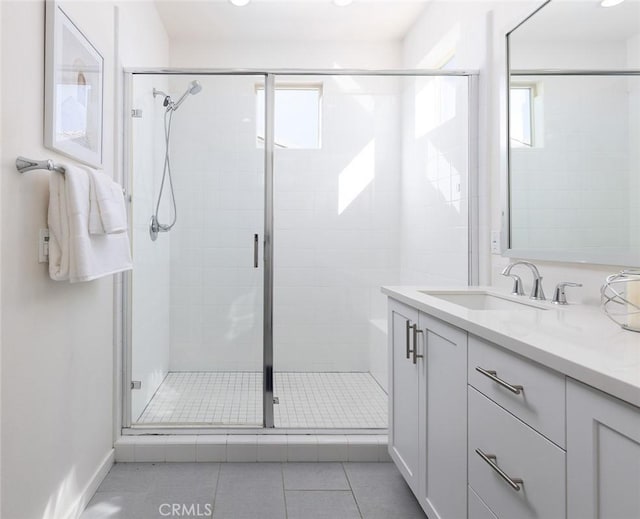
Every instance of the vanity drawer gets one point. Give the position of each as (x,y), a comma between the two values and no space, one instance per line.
(522,454)
(477,509)
(541,401)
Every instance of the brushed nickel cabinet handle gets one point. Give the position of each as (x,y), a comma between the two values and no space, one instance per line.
(415,344)
(255,251)
(491,459)
(493,375)
(408,339)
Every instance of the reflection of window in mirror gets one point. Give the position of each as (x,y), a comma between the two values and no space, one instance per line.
(522,130)
(298,111)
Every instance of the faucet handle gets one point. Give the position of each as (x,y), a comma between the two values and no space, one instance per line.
(517,289)
(559,297)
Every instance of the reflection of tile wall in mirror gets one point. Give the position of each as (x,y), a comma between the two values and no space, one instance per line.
(574,181)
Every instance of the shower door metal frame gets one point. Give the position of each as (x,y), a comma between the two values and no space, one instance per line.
(123,317)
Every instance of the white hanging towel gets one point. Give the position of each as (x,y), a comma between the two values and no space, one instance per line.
(107,211)
(74,254)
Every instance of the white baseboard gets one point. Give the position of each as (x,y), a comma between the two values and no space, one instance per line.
(91,487)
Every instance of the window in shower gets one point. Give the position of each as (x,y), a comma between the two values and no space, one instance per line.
(298,116)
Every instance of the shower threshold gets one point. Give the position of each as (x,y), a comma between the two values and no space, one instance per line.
(305,400)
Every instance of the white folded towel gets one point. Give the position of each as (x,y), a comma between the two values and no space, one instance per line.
(107,211)
(74,254)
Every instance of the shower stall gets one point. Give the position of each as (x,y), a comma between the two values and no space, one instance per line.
(298,194)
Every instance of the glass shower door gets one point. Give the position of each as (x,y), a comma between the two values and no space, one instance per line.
(197,294)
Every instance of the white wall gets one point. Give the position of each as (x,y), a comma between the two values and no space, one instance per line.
(283,54)
(57,339)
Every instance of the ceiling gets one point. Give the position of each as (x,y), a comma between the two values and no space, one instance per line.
(278,20)
(582,21)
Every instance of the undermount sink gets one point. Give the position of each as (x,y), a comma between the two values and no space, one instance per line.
(482,301)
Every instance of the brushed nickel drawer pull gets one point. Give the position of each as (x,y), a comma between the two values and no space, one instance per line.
(493,376)
(491,460)
(415,344)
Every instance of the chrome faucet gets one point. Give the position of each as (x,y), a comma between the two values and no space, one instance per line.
(536,292)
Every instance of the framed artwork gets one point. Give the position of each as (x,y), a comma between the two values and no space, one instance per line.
(74,76)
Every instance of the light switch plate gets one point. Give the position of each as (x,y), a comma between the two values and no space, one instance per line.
(43,246)
(496,242)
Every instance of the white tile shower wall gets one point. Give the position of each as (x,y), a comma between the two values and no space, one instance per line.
(150,278)
(336,230)
(435,186)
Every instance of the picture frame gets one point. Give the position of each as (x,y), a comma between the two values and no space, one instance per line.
(74,86)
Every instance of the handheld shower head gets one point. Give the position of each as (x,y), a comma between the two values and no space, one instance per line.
(195,87)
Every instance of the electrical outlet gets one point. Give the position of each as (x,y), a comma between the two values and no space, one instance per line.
(43,246)
(496,242)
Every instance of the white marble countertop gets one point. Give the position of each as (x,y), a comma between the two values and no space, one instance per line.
(576,340)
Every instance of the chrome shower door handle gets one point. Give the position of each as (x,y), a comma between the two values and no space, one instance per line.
(255,251)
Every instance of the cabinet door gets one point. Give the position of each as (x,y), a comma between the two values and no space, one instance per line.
(443,428)
(403,393)
(603,455)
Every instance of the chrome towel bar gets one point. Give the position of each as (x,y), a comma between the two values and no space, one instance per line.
(23,165)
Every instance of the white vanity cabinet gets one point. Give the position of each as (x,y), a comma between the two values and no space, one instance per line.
(428,409)
(481,431)
(603,455)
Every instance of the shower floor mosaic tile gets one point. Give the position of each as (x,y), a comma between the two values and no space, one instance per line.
(306,400)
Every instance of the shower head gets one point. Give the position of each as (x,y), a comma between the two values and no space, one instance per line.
(194,88)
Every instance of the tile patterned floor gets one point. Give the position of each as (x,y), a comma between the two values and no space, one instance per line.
(306,400)
(254,490)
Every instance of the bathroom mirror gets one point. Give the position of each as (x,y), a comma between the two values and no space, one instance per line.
(573,180)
